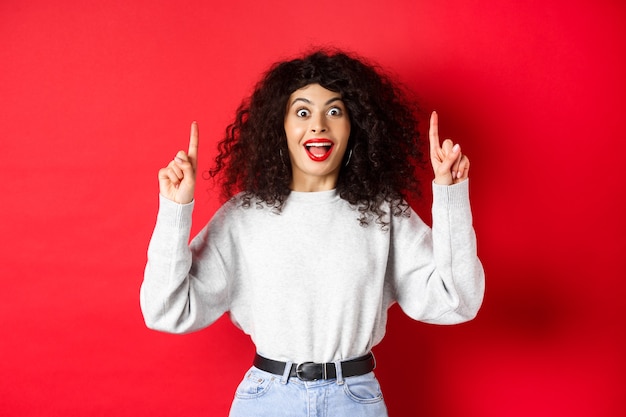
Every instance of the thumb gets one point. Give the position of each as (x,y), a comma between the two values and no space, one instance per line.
(451,158)
(443,173)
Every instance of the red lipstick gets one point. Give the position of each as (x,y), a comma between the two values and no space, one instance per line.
(318,149)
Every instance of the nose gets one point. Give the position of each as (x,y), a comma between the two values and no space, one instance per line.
(318,124)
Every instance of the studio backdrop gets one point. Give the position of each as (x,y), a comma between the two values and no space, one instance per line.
(96,96)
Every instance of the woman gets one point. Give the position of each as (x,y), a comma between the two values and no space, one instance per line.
(316,240)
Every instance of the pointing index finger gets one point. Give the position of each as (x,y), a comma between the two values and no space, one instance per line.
(193,143)
(433,133)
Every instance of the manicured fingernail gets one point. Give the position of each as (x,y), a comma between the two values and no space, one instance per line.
(456,148)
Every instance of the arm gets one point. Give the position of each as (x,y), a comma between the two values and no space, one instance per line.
(184,288)
(439,278)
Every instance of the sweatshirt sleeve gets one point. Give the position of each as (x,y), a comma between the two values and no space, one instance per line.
(184,287)
(437,274)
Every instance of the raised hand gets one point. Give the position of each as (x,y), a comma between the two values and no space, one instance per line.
(177,181)
(449,164)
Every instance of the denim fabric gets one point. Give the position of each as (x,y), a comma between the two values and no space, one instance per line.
(262,394)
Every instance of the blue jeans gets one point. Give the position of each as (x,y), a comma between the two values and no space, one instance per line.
(262,394)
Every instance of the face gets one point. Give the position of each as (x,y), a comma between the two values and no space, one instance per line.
(317,128)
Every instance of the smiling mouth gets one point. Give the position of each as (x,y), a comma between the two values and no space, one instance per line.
(318,149)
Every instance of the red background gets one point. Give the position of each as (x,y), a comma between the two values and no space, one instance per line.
(96,96)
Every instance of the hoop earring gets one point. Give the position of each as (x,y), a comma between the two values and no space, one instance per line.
(349,156)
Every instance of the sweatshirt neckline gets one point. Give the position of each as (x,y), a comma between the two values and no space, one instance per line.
(314,196)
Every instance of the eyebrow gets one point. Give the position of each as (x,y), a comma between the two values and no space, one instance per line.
(306,100)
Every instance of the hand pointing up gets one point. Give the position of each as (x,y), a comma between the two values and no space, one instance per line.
(449,164)
(177,181)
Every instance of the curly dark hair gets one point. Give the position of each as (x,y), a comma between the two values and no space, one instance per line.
(383,138)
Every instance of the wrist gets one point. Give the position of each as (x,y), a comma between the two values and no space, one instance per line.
(443,180)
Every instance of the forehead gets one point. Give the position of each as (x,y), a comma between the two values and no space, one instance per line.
(315,94)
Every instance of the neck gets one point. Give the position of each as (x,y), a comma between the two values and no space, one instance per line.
(313,184)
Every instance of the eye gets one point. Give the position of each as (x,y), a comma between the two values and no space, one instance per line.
(302,113)
(334,111)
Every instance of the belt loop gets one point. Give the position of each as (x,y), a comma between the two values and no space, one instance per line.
(339,372)
(286,373)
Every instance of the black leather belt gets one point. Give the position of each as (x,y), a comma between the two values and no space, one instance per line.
(310,371)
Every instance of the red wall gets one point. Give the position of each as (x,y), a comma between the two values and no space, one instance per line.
(96,96)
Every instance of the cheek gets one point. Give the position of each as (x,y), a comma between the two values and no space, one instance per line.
(345,129)
(293,132)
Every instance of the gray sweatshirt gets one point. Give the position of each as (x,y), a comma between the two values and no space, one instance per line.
(310,283)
